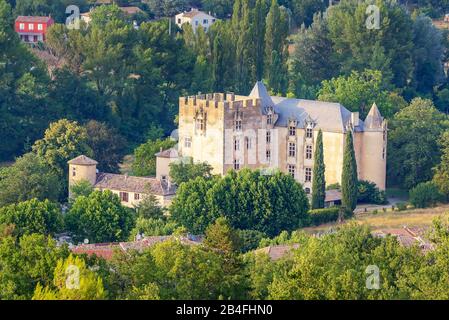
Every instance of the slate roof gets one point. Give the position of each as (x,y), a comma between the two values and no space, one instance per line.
(83,160)
(328,116)
(126,183)
(333,195)
(374,118)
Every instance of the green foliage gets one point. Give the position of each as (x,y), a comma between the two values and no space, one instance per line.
(149,207)
(333,186)
(321,216)
(186,170)
(108,147)
(248,199)
(33,216)
(349,175)
(73,280)
(220,236)
(81,188)
(441,171)
(99,217)
(368,192)
(153,227)
(145,160)
(29,177)
(424,195)
(410,163)
(319,180)
(250,239)
(25,262)
(359,91)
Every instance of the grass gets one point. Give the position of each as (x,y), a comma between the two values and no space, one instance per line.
(396,219)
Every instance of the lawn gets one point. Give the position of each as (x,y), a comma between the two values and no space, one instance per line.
(395,219)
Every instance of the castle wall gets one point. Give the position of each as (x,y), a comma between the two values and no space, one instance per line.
(374,161)
(79,173)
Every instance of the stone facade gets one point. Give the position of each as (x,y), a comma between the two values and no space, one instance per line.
(229,131)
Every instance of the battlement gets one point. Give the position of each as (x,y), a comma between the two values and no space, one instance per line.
(219,101)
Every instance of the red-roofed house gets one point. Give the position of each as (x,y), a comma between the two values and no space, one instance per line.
(32,29)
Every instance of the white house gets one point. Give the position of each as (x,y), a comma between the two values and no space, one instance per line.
(196,18)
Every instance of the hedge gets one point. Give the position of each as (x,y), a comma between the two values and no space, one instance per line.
(320,216)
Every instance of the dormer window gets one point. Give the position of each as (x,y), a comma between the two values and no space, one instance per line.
(309,133)
(270,119)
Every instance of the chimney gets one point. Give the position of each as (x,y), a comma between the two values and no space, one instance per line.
(355,119)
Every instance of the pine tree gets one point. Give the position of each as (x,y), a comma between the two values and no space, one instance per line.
(349,178)
(319,180)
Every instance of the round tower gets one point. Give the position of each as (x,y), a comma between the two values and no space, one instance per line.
(82,168)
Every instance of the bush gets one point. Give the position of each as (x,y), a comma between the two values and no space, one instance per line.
(401,206)
(334,186)
(368,192)
(424,195)
(320,216)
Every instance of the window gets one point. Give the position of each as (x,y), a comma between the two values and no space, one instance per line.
(164,178)
(238,125)
(308,152)
(292,149)
(307,190)
(187,142)
(136,196)
(22,26)
(268,155)
(196,22)
(268,136)
(308,176)
(248,143)
(383,153)
(205,21)
(179,21)
(236,144)
(31,26)
(73,172)
(213,20)
(292,131)
(309,133)
(291,170)
(40,27)
(269,118)
(236,164)
(201,121)
(124,196)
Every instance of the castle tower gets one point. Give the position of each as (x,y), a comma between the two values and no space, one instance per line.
(82,168)
(374,150)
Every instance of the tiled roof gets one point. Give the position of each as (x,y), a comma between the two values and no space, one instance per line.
(127,183)
(107,250)
(333,195)
(83,160)
(33,19)
(279,251)
(131,10)
(407,236)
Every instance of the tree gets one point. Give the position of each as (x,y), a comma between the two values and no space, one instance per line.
(222,237)
(33,216)
(108,147)
(73,280)
(145,156)
(424,195)
(441,171)
(349,178)
(25,262)
(29,177)
(409,162)
(63,141)
(149,207)
(248,199)
(186,169)
(319,180)
(359,91)
(81,188)
(99,217)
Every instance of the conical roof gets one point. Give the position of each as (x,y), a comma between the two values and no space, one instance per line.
(260,91)
(374,118)
(83,160)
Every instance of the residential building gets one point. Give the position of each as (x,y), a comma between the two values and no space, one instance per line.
(260,131)
(32,29)
(131,190)
(196,18)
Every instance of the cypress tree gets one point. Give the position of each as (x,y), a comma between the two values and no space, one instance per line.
(260,12)
(218,68)
(319,180)
(272,32)
(349,178)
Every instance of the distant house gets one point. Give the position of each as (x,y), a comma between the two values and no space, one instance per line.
(407,236)
(130,11)
(131,190)
(32,29)
(196,18)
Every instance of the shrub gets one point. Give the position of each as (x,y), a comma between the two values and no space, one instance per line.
(424,195)
(250,239)
(320,216)
(401,206)
(368,192)
(334,186)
